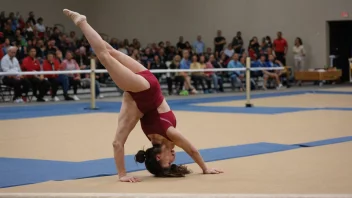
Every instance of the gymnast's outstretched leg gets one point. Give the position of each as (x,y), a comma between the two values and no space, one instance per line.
(127,61)
(122,76)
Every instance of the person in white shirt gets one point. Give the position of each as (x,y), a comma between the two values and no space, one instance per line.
(21,85)
(40,27)
(229,51)
(299,55)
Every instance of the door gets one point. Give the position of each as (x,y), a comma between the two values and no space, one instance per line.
(341,46)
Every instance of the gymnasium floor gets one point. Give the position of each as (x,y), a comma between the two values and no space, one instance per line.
(291,142)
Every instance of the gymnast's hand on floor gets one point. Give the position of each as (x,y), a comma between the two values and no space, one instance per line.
(213,171)
(131,179)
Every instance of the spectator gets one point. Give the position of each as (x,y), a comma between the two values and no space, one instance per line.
(40,27)
(122,48)
(162,55)
(147,58)
(168,48)
(197,77)
(199,46)
(280,48)
(171,54)
(229,51)
(175,77)
(29,31)
(41,50)
(180,45)
(59,56)
(31,63)
(208,53)
(136,55)
(8,32)
(207,78)
(217,80)
(52,64)
(20,40)
(86,80)
(219,43)
(6,46)
(254,48)
(74,79)
(236,76)
(31,19)
(188,47)
(237,43)
(186,64)
(272,73)
(299,54)
(114,43)
(157,64)
(9,63)
(51,47)
(73,39)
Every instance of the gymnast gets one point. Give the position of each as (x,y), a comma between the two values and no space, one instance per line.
(142,101)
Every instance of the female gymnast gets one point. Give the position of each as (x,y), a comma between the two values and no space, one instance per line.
(142,100)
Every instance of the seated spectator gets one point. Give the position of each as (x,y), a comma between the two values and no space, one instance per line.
(122,48)
(186,64)
(171,54)
(29,31)
(217,80)
(136,55)
(31,63)
(9,63)
(6,46)
(260,63)
(51,47)
(207,78)
(157,64)
(236,76)
(197,77)
(20,40)
(59,56)
(86,80)
(229,51)
(52,64)
(208,53)
(147,58)
(74,79)
(162,55)
(275,74)
(40,27)
(175,77)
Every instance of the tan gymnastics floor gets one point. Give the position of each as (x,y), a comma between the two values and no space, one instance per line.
(318,170)
(308,100)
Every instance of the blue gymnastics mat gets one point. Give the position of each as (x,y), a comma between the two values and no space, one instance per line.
(16,172)
(325,142)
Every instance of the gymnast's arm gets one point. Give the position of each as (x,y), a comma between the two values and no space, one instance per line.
(187,146)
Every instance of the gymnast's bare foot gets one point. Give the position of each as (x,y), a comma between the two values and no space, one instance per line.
(75,16)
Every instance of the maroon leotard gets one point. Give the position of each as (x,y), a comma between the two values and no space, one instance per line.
(147,102)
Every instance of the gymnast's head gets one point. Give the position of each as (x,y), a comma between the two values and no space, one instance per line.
(158,161)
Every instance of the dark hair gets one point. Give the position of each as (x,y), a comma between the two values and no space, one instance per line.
(148,157)
(299,41)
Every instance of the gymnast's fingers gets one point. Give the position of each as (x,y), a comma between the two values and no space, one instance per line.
(137,179)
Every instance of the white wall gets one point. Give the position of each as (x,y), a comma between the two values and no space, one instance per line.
(155,20)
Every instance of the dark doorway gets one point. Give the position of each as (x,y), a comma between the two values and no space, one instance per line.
(341,45)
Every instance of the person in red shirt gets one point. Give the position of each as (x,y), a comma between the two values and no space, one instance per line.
(280,48)
(53,64)
(31,63)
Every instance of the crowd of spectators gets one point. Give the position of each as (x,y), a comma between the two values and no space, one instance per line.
(29,45)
